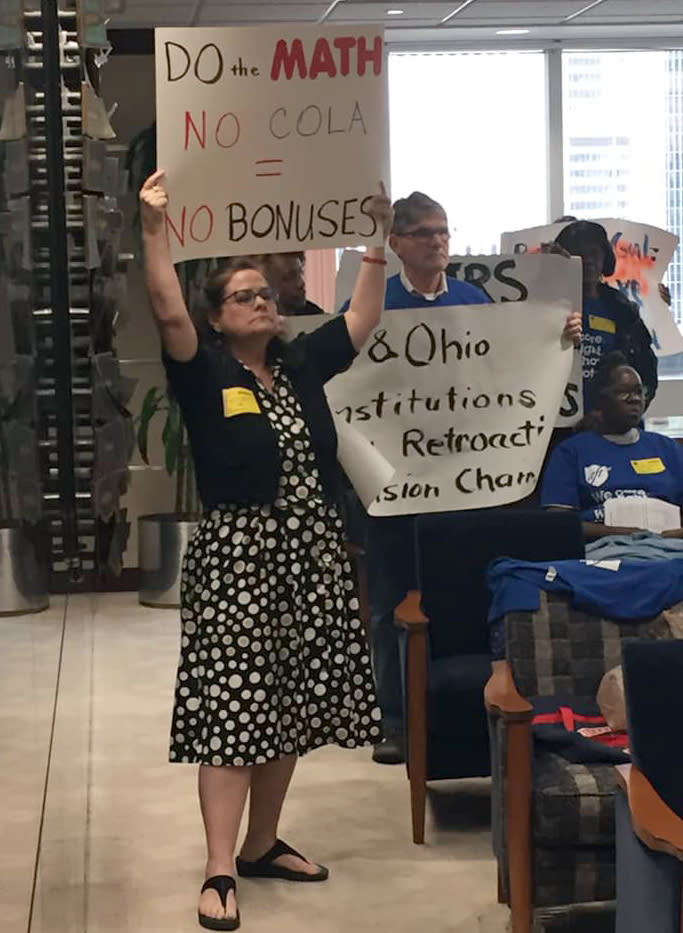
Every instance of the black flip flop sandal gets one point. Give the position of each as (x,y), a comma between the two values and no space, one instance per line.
(223,884)
(264,867)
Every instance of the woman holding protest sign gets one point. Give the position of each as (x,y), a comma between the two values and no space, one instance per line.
(610,321)
(273,656)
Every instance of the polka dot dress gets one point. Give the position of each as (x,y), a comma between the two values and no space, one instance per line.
(273,658)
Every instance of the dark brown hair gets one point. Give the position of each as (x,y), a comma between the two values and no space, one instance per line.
(214,287)
(214,290)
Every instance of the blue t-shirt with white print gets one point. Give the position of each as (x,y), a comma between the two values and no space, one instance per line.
(588,469)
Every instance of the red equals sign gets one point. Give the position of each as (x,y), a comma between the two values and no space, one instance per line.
(267,168)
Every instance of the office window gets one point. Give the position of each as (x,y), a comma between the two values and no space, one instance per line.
(628,127)
(469,129)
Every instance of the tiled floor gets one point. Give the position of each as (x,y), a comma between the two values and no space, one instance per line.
(99,834)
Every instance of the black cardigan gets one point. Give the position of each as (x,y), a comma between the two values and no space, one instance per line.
(236,458)
(633,338)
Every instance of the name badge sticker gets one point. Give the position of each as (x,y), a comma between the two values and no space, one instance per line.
(648,466)
(607,326)
(239,401)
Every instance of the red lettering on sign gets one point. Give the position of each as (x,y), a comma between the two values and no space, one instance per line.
(200,227)
(191,125)
(322,61)
(232,132)
(374,55)
(289,59)
(344,44)
(171,227)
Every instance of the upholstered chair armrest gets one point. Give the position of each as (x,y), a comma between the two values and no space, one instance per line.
(408,615)
(502,697)
(511,766)
(654,822)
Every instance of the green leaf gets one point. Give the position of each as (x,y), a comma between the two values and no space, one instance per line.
(152,403)
(172,437)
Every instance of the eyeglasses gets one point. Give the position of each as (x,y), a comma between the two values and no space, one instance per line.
(248,296)
(426,233)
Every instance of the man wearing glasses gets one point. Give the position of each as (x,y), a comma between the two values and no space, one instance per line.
(420,238)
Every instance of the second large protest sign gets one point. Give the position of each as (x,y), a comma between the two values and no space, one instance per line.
(273,138)
(539,278)
(642,253)
(451,410)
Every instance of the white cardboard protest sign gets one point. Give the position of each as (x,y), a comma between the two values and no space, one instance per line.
(451,411)
(536,277)
(642,253)
(273,137)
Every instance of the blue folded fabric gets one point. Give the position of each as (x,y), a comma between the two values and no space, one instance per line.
(643,545)
(616,589)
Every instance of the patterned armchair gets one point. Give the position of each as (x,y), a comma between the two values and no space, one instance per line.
(553,821)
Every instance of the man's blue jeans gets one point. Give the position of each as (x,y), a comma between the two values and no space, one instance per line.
(391,567)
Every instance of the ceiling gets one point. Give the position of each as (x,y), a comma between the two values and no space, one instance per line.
(446,21)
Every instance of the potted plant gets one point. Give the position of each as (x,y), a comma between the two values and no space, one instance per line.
(163,537)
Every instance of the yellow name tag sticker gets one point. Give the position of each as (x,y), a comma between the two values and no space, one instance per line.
(239,401)
(651,465)
(595,322)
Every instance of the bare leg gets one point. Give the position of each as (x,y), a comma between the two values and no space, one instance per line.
(269,785)
(222,795)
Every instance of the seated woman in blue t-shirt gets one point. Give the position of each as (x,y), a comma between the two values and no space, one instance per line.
(612,457)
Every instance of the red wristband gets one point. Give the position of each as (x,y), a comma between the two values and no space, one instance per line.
(376,262)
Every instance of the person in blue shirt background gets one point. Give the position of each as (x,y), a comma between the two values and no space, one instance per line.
(611,456)
(610,321)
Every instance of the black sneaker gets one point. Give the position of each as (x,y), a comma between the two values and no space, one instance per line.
(391,751)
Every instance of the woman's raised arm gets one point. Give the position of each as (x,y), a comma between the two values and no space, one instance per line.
(178,333)
(367,301)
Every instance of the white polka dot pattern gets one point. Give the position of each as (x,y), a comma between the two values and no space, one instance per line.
(273,657)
